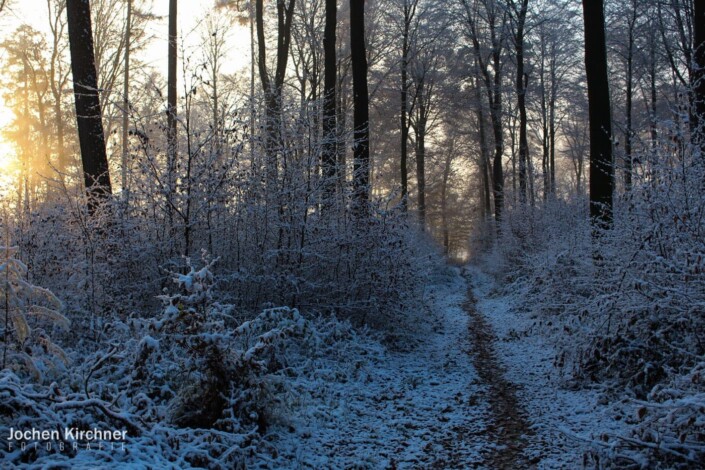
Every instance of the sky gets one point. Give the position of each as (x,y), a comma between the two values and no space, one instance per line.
(190,15)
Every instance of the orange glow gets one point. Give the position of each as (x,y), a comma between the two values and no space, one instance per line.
(8,157)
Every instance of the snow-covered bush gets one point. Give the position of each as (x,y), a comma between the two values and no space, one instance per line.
(217,373)
(28,310)
(625,308)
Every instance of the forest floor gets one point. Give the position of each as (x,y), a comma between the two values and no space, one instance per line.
(475,388)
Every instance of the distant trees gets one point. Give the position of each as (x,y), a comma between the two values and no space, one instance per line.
(488,42)
(88,109)
(601,167)
(503,72)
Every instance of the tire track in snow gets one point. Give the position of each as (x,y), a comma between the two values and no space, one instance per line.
(509,427)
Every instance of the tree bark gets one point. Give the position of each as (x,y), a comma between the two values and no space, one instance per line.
(601,167)
(631,22)
(361,133)
(444,198)
(409,13)
(171,151)
(421,152)
(273,91)
(521,82)
(171,91)
(329,155)
(699,74)
(88,111)
(125,98)
(484,155)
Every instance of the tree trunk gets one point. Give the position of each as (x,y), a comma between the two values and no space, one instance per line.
(699,74)
(521,82)
(361,134)
(601,167)
(484,155)
(341,115)
(171,87)
(409,11)
(545,164)
(329,157)
(444,200)
(88,112)
(552,121)
(125,99)
(273,91)
(628,105)
(421,154)
(171,114)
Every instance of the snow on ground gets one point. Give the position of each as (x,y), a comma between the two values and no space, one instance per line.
(566,422)
(416,408)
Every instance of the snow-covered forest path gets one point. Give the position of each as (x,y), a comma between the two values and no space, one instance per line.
(508,428)
(474,388)
(420,407)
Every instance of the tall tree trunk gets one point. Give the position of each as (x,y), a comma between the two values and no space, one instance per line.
(484,155)
(521,82)
(699,74)
(601,167)
(652,84)
(126,99)
(361,145)
(404,124)
(171,113)
(552,120)
(56,81)
(631,22)
(545,164)
(409,12)
(497,170)
(329,157)
(341,115)
(444,199)
(421,154)
(273,91)
(88,112)
(171,86)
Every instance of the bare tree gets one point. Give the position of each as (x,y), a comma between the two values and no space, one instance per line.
(273,89)
(518,12)
(699,74)
(361,146)
(409,27)
(88,110)
(329,156)
(490,68)
(171,99)
(125,96)
(601,167)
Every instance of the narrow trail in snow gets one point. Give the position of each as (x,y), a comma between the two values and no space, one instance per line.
(508,427)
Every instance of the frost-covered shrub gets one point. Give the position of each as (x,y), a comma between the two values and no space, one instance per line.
(27,310)
(218,373)
(626,308)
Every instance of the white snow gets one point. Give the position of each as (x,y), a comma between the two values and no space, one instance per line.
(567,422)
(414,408)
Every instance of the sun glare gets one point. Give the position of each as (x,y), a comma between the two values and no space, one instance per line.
(8,160)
